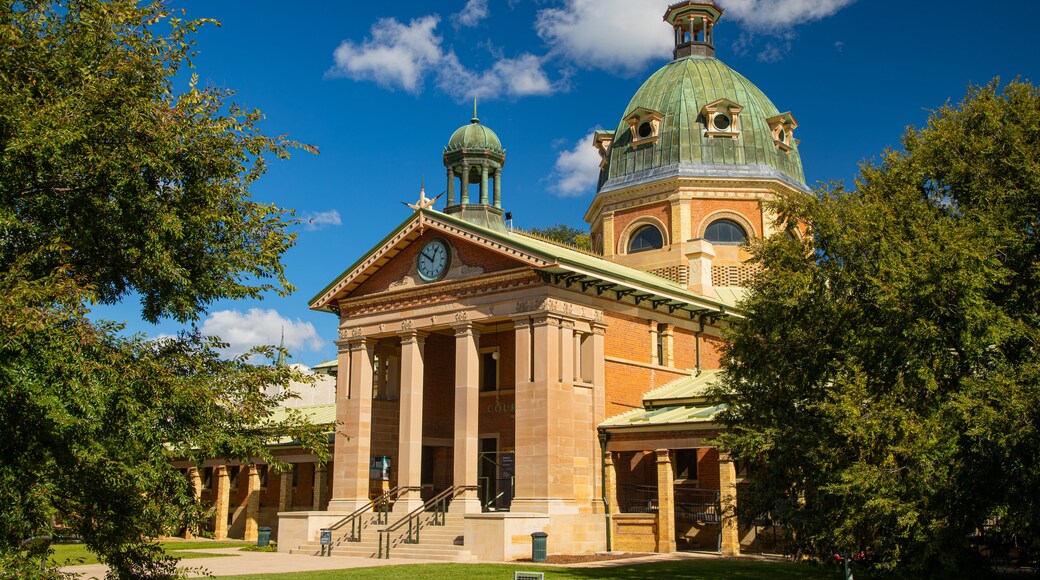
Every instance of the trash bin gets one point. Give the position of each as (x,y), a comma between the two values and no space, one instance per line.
(263,536)
(538,546)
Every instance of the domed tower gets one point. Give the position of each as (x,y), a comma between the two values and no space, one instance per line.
(474,155)
(685,174)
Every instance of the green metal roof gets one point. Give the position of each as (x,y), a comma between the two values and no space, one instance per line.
(730,295)
(679,91)
(681,402)
(691,389)
(474,136)
(664,416)
(329,364)
(315,415)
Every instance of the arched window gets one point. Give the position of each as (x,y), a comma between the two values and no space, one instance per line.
(645,238)
(725,232)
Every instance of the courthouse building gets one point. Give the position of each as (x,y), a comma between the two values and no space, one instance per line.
(491,384)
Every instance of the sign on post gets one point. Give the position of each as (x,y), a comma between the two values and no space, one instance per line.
(326,542)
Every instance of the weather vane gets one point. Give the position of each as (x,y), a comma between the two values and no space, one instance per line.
(424,202)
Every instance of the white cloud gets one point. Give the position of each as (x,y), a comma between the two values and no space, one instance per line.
(400,56)
(473,13)
(576,170)
(319,219)
(243,331)
(607,34)
(396,55)
(771,15)
(522,76)
(625,35)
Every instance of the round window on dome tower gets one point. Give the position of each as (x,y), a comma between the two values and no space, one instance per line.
(721,122)
(782,136)
(645,130)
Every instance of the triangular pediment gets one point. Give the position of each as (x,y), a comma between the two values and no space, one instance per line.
(392,264)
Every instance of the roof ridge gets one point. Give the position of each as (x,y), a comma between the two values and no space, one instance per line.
(547,239)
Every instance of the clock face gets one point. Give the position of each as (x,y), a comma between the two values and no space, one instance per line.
(434,259)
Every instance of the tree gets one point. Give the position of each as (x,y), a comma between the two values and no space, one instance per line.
(884,386)
(567,235)
(112,182)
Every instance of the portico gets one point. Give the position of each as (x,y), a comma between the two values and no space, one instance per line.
(442,357)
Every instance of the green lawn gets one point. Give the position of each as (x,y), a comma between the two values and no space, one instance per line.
(683,570)
(78,554)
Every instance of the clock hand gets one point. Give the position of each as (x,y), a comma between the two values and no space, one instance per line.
(427,256)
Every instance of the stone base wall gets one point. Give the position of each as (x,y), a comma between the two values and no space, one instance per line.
(295,528)
(634,532)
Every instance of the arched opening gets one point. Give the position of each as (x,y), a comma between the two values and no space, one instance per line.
(647,237)
(725,231)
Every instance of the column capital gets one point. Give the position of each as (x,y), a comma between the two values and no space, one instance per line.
(361,342)
(466,329)
(725,457)
(546,319)
(599,329)
(663,455)
(413,337)
(522,322)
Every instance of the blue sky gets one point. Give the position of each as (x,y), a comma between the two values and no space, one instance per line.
(379,87)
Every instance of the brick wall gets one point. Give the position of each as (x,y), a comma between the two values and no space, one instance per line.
(629,338)
(623,218)
(686,350)
(701,208)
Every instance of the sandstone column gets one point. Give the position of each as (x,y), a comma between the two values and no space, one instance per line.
(545,434)
(409,474)
(220,522)
(609,243)
(610,490)
(467,401)
(252,503)
(321,486)
(665,503)
(728,499)
(354,435)
(285,491)
(196,493)
(597,364)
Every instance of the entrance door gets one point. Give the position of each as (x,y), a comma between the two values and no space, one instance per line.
(495,472)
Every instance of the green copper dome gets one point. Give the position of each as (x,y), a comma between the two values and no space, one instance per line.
(680,98)
(474,136)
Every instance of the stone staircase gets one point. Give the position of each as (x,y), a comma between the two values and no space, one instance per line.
(436,542)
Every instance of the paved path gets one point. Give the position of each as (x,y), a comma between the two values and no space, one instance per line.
(257,563)
(277,562)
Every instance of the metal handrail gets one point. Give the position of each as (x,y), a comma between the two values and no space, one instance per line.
(493,500)
(437,505)
(380,505)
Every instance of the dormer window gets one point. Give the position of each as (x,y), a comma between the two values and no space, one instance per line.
(783,126)
(721,119)
(602,140)
(645,126)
